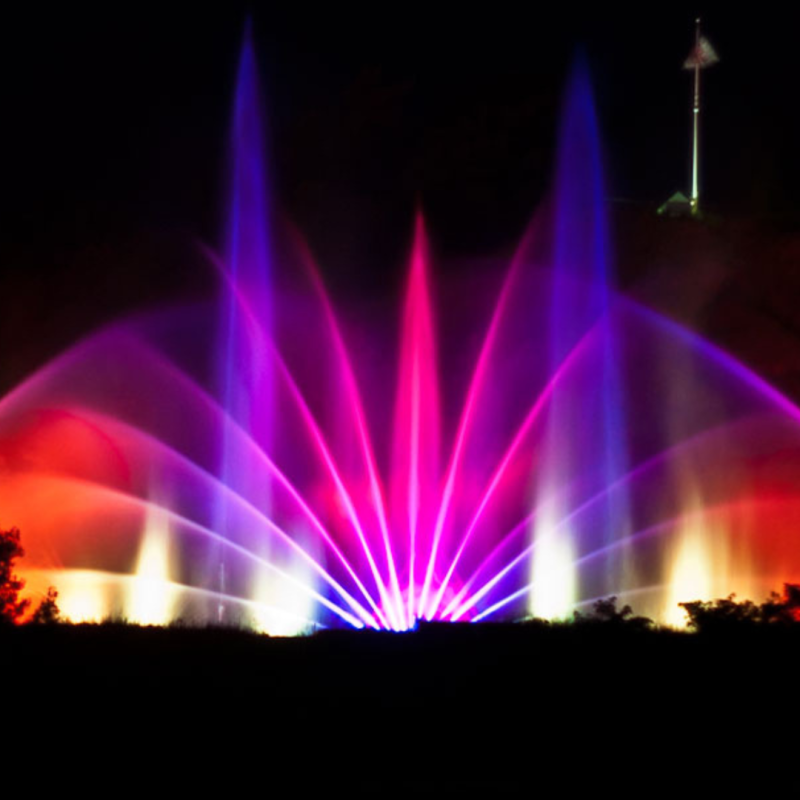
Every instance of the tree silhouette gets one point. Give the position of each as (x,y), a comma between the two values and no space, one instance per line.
(48,612)
(605,611)
(782,609)
(11,607)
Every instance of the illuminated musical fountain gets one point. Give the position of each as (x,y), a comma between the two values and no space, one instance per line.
(270,462)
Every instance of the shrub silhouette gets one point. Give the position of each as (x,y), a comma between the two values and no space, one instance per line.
(726,613)
(785,609)
(604,611)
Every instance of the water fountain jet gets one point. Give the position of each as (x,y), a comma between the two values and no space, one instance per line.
(597,449)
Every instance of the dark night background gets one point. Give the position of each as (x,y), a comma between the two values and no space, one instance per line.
(118,123)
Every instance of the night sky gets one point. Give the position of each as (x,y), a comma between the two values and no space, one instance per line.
(118,125)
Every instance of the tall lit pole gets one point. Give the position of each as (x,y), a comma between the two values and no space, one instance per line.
(702,55)
(695,199)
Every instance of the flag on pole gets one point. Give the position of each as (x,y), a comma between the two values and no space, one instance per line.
(702,55)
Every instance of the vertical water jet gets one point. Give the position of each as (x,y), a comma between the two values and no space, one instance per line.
(584,433)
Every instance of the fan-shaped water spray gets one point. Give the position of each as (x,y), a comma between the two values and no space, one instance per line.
(532,443)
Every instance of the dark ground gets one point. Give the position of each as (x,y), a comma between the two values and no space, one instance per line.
(483,707)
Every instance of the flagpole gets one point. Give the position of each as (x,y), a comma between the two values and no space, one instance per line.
(695,198)
(701,56)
